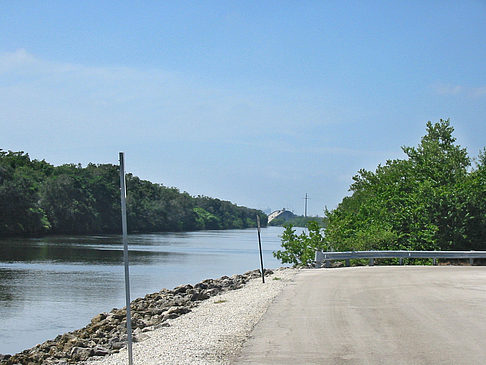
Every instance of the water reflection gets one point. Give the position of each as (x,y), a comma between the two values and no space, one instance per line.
(56,284)
(7,293)
(82,250)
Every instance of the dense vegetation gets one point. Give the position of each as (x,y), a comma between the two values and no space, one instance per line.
(37,198)
(301,249)
(298,221)
(432,200)
(435,199)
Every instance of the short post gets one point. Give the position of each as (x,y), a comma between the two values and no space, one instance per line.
(123,193)
(260,247)
(435,261)
(317,259)
(348,263)
(471,261)
(401,261)
(372,261)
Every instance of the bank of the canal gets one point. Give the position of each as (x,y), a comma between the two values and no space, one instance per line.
(106,333)
(54,285)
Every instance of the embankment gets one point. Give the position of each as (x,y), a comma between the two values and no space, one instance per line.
(106,334)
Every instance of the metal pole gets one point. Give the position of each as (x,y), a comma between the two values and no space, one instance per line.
(260,247)
(305,211)
(123,194)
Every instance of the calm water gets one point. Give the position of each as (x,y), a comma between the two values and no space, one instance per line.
(53,285)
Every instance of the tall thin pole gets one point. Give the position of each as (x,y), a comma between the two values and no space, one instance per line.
(260,247)
(305,210)
(123,193)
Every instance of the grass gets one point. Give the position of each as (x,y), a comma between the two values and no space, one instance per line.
(276,278)
(220,301)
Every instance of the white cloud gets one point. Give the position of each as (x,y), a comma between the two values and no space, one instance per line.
(469,91)
(171,105)
(444,89)
(13,60)
(41,94)
(479,91)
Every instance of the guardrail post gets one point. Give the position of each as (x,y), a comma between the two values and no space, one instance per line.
(435,261)
(471,261)
(372,261)
(327,264)
(348,262)
(401,261)
(318,258)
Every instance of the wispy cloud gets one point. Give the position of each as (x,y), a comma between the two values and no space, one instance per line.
(443,89)
(479,91)
(469,91)
(150,103)
(10,61)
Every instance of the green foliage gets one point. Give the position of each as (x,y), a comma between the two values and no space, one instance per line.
(206,220)
(37,198)
(69,205)
(430,201)
(298,221)
(20,181)
(301,249)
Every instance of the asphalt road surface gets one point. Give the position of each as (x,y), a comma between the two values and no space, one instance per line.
(375,315)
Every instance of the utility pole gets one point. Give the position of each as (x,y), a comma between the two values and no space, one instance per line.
(305,210)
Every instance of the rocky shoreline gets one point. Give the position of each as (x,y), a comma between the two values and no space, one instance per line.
(106,334)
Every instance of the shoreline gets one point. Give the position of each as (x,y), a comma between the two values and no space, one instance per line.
(213,333)
(106,336)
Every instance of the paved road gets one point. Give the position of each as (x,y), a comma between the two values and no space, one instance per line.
(375,315)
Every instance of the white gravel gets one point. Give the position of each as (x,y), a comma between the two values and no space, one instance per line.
(213,333)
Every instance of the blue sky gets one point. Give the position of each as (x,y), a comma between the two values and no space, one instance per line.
(257,102)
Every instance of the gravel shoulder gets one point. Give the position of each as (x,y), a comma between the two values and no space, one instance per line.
(213,332)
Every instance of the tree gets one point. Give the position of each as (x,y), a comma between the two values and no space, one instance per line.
(473,194)
(103,183)
(36,198)
(428,201)
(20,180)
(301,249)
(69,205)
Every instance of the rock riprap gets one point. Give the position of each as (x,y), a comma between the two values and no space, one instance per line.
(106,334)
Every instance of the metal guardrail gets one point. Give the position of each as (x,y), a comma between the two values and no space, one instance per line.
(327,257)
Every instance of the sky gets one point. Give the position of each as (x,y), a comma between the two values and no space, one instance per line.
(256,102)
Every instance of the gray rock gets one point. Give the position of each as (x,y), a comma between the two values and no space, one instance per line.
(100,351)
(117,345)
(106,333)
(81,353)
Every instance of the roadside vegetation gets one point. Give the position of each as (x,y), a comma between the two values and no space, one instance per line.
(301,249)
(298,221)
(434,199)
(39,198)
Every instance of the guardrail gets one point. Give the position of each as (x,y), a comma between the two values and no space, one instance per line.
(327,257)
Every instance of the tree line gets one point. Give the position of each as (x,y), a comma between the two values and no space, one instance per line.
(39,198)
(433,199)
(298,221)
